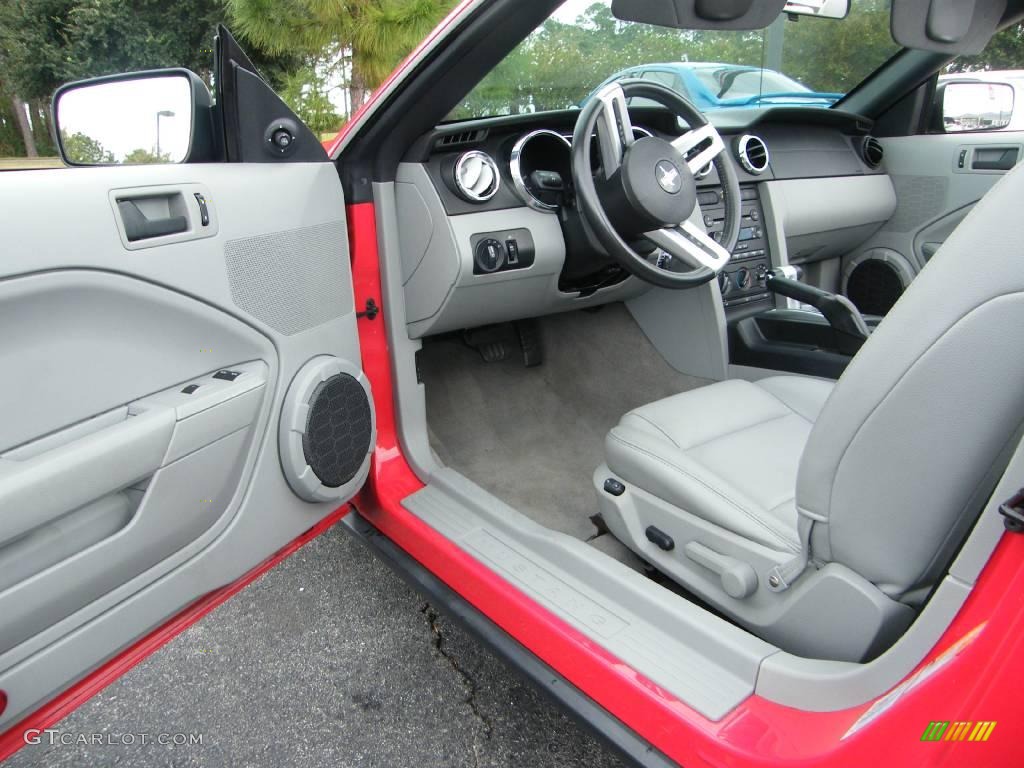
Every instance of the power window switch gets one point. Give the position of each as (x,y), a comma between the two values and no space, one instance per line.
(190,389)
(227,375)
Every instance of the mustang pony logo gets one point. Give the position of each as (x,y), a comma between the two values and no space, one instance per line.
(958,731)
(668,177)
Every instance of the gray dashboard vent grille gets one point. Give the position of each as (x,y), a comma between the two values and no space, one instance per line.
(476,176)
(752,153)
(461,138)
(872,151)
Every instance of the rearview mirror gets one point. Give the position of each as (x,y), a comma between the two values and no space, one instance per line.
(974,105)
(823,9)
(723,14)
(140,118)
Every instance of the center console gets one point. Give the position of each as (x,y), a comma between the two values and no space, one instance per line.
(742,282)
(759,335)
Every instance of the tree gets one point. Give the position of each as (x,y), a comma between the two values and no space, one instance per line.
(18,108)
(44,43)
(363,38)
(305,91)
(1004,51)
(85,149)
(142,156)
(560,64)
(833,56)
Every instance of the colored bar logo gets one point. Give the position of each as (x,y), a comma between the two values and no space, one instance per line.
(958,731)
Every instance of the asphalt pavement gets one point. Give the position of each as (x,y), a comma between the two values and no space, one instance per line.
(329,659)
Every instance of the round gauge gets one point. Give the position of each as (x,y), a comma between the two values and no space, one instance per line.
(541,166)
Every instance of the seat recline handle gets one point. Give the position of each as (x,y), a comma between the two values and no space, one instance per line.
(739,579)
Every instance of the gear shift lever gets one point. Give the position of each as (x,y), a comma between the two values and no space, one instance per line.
(850,329)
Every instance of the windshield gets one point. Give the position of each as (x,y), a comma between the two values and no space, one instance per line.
(809,62)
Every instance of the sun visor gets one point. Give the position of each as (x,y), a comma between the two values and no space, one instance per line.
(700,14)
(946,26)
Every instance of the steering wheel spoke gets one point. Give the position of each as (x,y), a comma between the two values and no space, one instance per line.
(643,188)
(691,140)
(614,128)
(692,244)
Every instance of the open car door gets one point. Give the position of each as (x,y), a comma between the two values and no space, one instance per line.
(181,392)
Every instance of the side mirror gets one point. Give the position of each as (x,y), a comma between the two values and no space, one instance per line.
(974,105)
(160,116)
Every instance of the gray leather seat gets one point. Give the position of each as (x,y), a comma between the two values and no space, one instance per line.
(821,516)
(705,450)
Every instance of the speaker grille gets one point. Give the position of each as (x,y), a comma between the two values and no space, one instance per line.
(874,286)
(918,199)
(293,280)
(338,430)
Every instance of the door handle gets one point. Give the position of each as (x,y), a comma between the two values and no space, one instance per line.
(994,158)
(137,226)
(40,488)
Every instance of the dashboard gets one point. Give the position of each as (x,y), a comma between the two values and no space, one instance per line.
(489,231)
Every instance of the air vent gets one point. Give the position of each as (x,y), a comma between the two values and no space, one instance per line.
(476,176)
(872,151)
(461,138)
(752,153)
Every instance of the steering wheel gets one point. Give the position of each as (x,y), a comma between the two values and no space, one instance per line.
(645,191)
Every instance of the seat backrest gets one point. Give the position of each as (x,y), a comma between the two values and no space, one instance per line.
(895,466)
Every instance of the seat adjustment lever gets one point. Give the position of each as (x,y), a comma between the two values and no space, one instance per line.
(738,578)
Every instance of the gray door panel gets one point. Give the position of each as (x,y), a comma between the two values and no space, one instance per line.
(934,190)
(124,498)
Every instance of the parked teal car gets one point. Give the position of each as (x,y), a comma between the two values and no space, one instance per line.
(711,85)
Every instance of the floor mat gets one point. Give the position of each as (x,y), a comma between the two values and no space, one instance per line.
(533,436)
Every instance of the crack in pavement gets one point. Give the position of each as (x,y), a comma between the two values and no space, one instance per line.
(468,681)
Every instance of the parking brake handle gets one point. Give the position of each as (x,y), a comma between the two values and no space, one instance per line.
(850,329)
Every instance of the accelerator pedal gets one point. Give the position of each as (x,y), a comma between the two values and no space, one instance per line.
(530,342)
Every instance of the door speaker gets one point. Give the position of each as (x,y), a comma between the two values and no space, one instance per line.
(874,280)
(327,430)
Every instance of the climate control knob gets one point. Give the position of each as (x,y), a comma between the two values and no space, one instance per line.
(744,279)
(724,282)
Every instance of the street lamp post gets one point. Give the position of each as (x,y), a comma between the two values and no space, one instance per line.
(161,113)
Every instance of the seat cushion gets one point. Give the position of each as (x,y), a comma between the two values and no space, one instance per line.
(727,453)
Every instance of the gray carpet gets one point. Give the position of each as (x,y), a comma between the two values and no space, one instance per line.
(533,436)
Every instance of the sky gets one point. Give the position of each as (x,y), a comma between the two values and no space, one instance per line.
(571,9)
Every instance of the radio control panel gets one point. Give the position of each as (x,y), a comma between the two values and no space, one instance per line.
(743,279)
